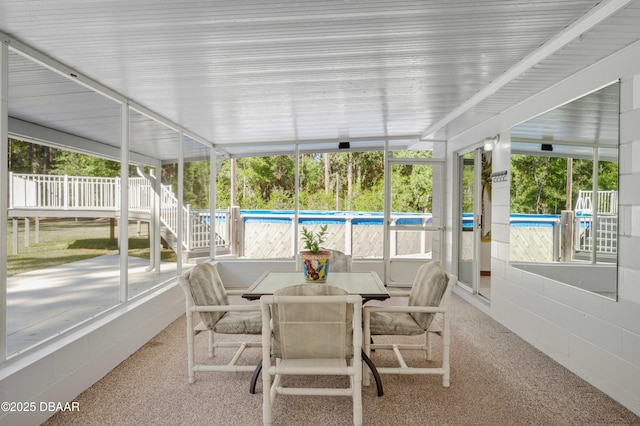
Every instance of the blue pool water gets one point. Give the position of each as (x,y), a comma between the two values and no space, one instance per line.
(316,217)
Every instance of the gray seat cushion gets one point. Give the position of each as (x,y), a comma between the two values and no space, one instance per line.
(428,288)
(394,323)
(207,289)
(239,323)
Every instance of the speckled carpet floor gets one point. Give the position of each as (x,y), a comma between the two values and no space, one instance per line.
(496,379)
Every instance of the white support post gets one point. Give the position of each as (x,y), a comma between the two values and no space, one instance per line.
(386,254)
(213,173)
(27,227)
(151,230)
(14,222)
(423,237)
(348,235)
(4,173)
(123,230)
(294,224)
(189,227)
(180,207)
(393,237)
(157,201)
(595,225)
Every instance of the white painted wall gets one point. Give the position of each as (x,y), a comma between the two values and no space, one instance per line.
(61,371)
(597,338)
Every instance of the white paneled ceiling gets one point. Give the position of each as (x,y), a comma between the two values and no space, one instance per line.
(258,76)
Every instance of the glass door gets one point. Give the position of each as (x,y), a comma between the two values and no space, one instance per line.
(474,228)
(469,217)
(414,212)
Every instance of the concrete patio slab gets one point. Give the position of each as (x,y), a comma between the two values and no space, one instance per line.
(43,303)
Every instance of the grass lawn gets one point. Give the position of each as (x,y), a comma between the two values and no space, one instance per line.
(68,240)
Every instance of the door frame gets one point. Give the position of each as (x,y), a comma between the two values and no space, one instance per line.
(388,226)
(472,287)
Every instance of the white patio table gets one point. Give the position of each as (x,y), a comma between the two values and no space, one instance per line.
(366,284)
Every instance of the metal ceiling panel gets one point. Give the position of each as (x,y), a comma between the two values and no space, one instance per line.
(617,32)
(251,75)
(39,95)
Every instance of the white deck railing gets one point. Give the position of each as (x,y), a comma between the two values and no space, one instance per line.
(607,202)
(54,192)
(605,231)
(196,222)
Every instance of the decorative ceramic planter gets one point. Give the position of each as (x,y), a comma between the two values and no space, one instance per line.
(315,265)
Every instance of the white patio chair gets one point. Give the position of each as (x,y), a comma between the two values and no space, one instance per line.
(316,330)
(340,262)
(206,295)
(428,297)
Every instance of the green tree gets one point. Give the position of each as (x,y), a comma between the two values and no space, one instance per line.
(25,157)
(369,168)
(312,182)
(196,184)
(370,199)
(538,184)
(223,185)
(75,164)
(260,177)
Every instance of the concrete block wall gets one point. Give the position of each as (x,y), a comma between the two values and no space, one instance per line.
(64,369)
(595,337)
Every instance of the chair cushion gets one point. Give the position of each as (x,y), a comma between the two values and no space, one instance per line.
(339,261)
(428,288)
(239,323)
(307,331)
(394,323)
(207,290)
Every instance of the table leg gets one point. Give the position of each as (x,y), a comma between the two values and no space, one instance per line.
(374,371)
(254,378)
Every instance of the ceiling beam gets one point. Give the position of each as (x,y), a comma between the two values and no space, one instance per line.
(31,132)
(320,141)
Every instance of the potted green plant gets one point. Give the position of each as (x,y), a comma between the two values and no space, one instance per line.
(315,260)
